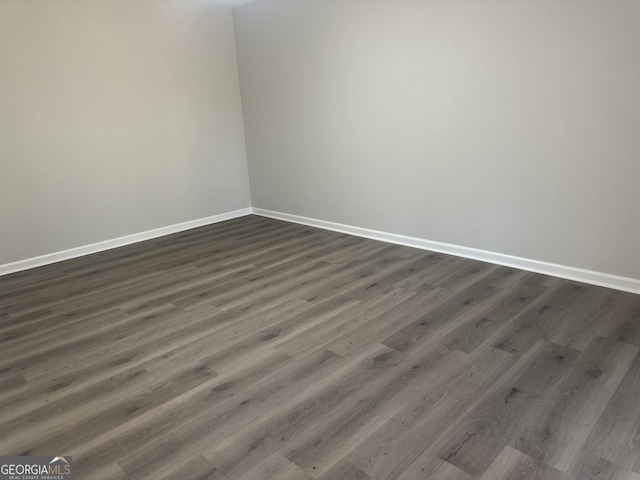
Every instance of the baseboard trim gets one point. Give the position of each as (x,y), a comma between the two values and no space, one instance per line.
(570,273)
(42,260)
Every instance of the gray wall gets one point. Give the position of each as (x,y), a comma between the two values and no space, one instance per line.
(511,126)
(116,117)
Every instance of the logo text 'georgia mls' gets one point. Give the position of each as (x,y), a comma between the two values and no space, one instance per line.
(35,468)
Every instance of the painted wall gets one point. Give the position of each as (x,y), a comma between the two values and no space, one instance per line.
(116,117)
(511,126)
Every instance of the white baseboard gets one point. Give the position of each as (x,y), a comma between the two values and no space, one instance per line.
(117,242)
(571,273)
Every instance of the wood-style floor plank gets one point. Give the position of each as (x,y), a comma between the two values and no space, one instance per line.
(554,431)
(480,435)
(616,437)
(256,349)
(514,465)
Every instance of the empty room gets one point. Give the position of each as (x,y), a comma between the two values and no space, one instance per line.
(320,239)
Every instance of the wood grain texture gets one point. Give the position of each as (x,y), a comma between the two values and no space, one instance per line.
(258,349)
(514,465)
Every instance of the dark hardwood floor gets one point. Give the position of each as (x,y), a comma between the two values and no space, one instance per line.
(258,349)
